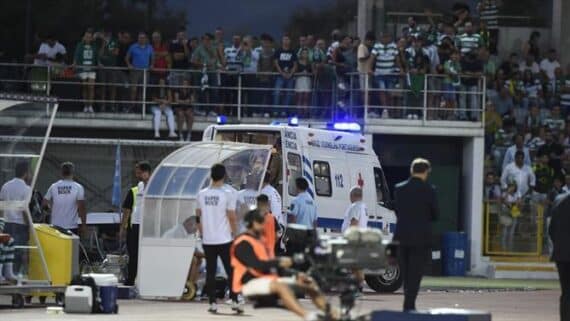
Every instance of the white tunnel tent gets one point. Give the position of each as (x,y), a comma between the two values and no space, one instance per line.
(168,231)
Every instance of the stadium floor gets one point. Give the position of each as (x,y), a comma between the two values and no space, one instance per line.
(512,304)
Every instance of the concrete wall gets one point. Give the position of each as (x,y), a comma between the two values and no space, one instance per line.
(472,181)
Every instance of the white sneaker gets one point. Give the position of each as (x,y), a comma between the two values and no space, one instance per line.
(237,307)
(212,114)
(266,115)
(373,114)
(313,316)
(213,308)
(341,86)
(85,109)
(410,116)
(416,116)
(156,135)
(90,109)
(172,135)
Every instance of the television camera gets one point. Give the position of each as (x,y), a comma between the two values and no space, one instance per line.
(334,261)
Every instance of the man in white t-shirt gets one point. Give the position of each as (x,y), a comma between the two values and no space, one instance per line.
(365,58)
(216,213)
(132,218)
(549,65)
(51,52)
(356,214)
(14,194)
(274,200)
(66,199)
(246,201)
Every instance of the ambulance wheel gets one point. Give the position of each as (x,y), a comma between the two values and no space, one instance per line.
(17,301)
(116,311)
(190,291)
(388,282)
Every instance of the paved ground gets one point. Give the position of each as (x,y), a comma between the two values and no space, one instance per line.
(504,305)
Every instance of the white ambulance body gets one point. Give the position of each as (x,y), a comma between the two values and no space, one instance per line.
(332,161)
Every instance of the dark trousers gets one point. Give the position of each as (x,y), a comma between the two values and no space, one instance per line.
(412,260)
(212,252)
(564,273)
(133,249)
(21,235)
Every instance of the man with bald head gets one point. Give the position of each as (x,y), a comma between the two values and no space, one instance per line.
(356,214)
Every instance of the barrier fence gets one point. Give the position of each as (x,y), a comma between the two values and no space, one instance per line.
(515,230)
(324,94)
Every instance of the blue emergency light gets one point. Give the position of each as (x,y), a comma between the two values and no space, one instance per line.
(221,120)
(345,127)
(293,121)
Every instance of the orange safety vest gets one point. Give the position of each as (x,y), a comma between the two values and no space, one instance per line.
(269,236)
(260,250)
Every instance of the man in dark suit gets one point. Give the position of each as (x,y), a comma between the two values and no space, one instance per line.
(416,208)
(558,230)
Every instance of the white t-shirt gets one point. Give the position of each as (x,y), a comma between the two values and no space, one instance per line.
(549,67)
(50,52)
(137,208)
(275,203)
(246,201)
(64,195)
(15,190)
(358,211)
(214,203)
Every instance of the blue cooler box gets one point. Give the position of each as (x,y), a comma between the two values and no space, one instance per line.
(432,315)
(108,291)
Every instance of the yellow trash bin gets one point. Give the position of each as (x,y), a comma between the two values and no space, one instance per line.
(61,252)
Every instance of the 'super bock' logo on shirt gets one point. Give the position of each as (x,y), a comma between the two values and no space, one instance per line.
(211,200)
(64,190)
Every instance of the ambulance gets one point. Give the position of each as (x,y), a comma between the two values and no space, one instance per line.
(333,160)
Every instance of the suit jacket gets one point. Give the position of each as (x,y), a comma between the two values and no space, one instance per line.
(416,208)
(559,229)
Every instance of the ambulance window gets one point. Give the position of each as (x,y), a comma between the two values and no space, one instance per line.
(295,169)
(322,173)
(379,181)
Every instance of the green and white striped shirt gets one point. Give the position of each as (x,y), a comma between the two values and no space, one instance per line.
(385,58)
(490,14)
(469,42)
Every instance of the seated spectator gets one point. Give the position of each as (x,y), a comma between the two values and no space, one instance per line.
(183,100)
(544,177)
(520,173)
(555,122)
(511,65)
(138,59)
(86,59)
(531,48)
(285,62)
(549,64)
(554,150)
(532,94)
(529,64)
(564,90)
(557,188)
(510,154)
(492,190)
(504,102)
(51,52)
(538,138)
(162,99)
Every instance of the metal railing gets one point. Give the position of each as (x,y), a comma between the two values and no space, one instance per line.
(325,94)
(514,232)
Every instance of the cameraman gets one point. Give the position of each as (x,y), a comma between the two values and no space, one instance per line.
(255,271)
